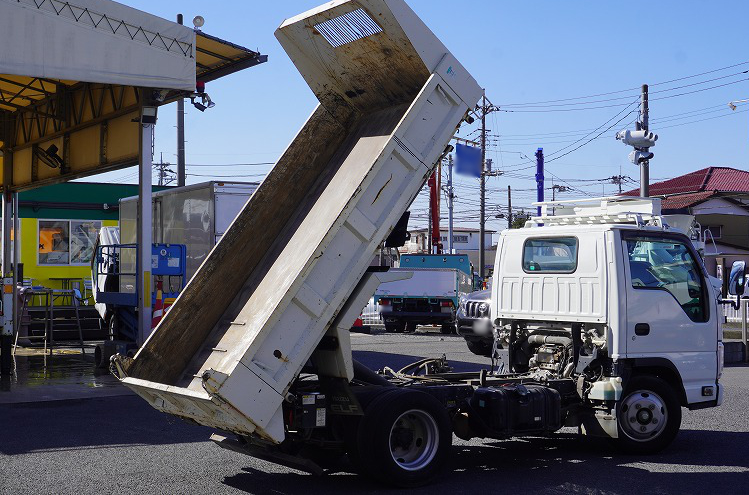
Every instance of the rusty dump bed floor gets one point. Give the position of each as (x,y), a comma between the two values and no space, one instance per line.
(180,348)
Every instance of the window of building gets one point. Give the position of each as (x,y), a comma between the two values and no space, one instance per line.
(67,242)
(550,255)
(82,239)
(456,238)
(665,264)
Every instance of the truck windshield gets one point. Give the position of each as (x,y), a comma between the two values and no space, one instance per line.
(550,255)
(668,265)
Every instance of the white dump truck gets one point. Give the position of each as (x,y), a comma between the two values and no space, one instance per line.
(271,365)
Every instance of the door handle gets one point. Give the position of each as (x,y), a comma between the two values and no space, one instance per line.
(642,329)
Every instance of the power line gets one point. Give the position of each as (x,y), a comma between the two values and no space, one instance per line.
(629,89)
(229,164)
(628,97)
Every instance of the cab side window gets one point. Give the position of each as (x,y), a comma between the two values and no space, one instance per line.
(666,264)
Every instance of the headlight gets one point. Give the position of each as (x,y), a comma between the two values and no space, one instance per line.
(462,303)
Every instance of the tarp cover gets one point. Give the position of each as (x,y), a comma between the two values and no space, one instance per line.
(95,41)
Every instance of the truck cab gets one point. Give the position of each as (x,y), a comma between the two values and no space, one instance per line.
(605,287)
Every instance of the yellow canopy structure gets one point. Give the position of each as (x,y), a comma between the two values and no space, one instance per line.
(69,93)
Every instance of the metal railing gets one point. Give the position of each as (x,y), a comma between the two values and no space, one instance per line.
(740,315)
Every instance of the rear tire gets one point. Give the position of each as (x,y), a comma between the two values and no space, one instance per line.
(410,327)
(447,328)
(404,438)
(648,416)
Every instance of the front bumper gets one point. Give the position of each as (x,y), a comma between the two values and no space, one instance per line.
(418,317)
(479,328)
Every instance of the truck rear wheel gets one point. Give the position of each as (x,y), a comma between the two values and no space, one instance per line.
(410,327)
(404,438)
(649,415)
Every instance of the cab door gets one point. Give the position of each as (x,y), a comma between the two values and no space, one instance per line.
(670,313)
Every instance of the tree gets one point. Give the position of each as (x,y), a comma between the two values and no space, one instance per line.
(519,219)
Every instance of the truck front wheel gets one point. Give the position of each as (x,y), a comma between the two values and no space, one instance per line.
(649,415)
(405,438)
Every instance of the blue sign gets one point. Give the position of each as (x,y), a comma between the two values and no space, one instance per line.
(467,160)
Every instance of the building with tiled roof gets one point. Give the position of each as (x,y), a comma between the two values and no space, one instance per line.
(718,197)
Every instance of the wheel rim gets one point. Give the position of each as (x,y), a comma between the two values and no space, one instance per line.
(414,440)
(643,415)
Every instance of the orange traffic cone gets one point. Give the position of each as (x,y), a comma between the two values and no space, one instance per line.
(158,307)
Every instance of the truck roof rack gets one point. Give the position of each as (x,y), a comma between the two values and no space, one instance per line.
(606,210)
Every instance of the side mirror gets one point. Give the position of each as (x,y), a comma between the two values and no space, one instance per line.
(737,279)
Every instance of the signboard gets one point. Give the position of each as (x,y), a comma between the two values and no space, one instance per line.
(467,160)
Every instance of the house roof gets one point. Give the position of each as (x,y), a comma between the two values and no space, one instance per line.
(679,201)
(696,187)
(713,179)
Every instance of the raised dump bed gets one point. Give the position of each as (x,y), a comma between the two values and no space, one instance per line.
(292,266)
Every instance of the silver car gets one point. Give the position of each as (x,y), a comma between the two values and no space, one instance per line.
(474,321)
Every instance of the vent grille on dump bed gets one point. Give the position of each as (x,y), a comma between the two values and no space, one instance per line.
(348,28)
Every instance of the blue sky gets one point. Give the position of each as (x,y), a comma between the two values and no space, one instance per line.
(521,52)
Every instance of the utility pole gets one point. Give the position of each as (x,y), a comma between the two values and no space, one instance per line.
(450,204)
(164,170)
(180,133)
(161,169)
(509,207)
(482,208)
(641,139)
(486,108)
(645,165)
(618,180)
(557,188)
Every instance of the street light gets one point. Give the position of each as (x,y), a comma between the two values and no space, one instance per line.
(732,104)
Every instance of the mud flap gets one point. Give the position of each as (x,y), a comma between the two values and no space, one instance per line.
(600,424)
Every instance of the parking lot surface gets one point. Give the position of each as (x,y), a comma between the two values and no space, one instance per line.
(117,443)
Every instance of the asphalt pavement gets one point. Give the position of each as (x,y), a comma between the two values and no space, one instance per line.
(118,444)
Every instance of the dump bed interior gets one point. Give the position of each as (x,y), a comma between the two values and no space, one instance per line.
(390,97)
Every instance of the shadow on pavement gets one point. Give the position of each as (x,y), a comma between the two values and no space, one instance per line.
(90,424)
(559,463)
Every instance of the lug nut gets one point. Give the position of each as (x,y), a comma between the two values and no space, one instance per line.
(632,419)
(637,406)
(655,421)
(651,407)
(642,428)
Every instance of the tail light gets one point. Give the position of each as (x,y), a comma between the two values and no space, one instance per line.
(721,359)
(446,304)
(384,302)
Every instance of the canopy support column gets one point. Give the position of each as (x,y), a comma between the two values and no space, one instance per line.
(7,319)
(144,230)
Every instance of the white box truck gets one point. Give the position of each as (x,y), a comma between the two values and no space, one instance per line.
(197,216)
(273,365)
